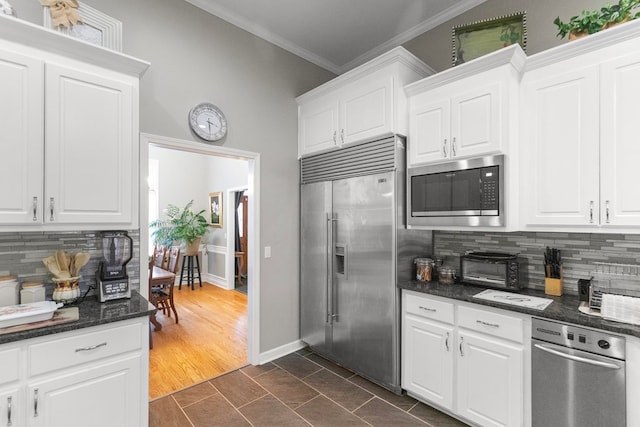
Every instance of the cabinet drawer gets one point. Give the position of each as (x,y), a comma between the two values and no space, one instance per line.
(62,353)
(10,362)
(499,325)
(429,308)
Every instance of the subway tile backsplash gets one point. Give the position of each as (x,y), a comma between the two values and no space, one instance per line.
(21,255)
(579,251)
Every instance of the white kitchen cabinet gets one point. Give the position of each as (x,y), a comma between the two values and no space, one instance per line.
(466,111)
(363,104)
(94,376)
(470,363)
(580,143)
(70,111)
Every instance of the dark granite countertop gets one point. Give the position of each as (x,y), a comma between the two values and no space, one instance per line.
(92,313)
(564,308)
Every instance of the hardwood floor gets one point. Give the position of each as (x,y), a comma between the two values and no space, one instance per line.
(210,339)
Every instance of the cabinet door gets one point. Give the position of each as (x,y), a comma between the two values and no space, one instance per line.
(427,360)
(318,125)
(476,121)
(22,141)
(11,407)
(619,145)
(429,127)
(91,151)
(366,109)
(560,149)
(489,386)
(104,395)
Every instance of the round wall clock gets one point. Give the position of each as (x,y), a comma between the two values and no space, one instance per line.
(208,121)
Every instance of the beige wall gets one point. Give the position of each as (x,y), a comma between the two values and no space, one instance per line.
(434,46)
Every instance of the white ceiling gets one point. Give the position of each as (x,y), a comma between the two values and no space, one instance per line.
(336,34)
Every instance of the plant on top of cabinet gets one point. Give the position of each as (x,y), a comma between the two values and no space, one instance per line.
(590,22)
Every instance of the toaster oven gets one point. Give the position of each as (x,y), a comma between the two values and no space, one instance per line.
(493,269)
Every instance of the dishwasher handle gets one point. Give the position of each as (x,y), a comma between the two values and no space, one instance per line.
(576,358)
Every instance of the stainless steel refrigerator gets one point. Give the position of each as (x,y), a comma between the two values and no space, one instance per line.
(354,249)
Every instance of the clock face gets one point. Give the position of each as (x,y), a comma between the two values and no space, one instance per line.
(208,122)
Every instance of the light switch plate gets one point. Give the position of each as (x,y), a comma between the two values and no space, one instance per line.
(267,251)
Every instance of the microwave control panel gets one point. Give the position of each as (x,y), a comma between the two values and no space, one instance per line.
(490,189)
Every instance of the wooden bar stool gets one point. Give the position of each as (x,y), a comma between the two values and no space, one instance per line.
(188,265)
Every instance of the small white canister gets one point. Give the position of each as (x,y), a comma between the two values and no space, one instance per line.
(9,288)
(32,292)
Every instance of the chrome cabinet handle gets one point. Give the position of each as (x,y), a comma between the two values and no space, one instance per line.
(93,347)
(433,310)
(607,210)
(334,137)
(35,208)
(342,135)
(453,147)
(493,325)
(35,403)
(444,148)
(446,342)
(9,423)
(461,350)
(591,212)
(51,207)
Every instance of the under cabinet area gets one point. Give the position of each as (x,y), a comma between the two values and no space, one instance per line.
(467,360)
(362,104)
(466,111)
(66,379)
(70,133)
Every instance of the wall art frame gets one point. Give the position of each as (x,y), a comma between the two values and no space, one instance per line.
(215,209)
(96,27)
(471,41)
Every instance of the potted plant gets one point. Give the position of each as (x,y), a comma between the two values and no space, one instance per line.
(181,225)
(590,22)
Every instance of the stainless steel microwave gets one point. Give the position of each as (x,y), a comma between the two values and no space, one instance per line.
(462,193)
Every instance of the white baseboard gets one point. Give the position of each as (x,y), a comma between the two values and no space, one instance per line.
(278,352)
(220,282)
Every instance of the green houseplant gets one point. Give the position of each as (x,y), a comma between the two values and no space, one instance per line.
(590,22)
(182,225)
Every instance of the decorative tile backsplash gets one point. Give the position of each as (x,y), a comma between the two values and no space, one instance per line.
(579,251)
(21,255)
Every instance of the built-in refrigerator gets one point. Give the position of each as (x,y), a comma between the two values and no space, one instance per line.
(354,250)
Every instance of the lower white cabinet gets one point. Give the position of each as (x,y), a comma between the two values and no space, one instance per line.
(464,359)
(95,376)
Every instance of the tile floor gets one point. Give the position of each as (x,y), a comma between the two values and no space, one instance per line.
(300,389)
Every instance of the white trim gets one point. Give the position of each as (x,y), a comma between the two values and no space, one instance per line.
(219,281)
(253,272)
(110,28)
(281,351)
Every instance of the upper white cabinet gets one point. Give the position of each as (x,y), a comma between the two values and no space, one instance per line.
(71,142)
(466,111)
(579,139)
(360,105)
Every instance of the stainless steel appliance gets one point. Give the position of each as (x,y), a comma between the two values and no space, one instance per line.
(112,278)
(493,269)
(578,376)
(465,192)
(354,249)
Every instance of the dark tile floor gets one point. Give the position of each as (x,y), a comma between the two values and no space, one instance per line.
(299,389)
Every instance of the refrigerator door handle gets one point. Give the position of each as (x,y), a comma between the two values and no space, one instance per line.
(331,221)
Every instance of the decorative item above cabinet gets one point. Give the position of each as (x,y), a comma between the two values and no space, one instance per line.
(363,104)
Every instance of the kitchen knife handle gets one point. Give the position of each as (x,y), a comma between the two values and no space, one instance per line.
(591,212)
(607,210)
(35,208)
(9,423)
(35,403)
(51,207)
(444,148)
(453,147)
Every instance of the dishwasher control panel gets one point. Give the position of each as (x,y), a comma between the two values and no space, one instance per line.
(591,340)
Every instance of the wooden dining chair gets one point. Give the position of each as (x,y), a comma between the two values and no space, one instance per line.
(162,282)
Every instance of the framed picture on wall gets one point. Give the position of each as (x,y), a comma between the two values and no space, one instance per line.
(479,38)
(215,209)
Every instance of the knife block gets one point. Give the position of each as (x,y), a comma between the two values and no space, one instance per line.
(553,286)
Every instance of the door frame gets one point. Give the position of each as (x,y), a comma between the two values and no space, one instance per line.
(253,269)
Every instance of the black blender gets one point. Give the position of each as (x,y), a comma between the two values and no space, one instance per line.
(111,278)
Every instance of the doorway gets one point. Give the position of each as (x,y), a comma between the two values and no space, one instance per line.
(252,223)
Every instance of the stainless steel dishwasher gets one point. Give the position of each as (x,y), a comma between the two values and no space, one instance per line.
(578,376)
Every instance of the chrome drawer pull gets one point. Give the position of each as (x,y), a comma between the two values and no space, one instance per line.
(461,351)
(93,347)
(446,341)
(493,325)
(35,403)
(51,207)
(433,310)
(35,208)
(9,423)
